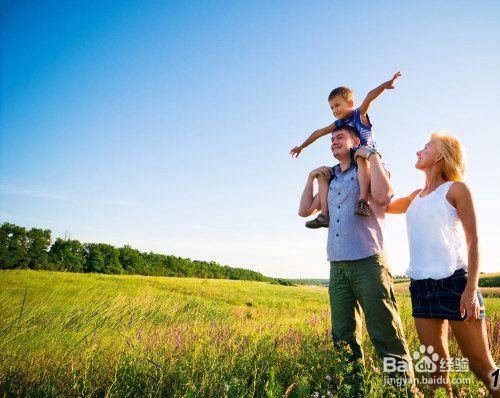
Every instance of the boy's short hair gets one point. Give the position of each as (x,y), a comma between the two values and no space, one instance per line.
(344,92)
(351,130)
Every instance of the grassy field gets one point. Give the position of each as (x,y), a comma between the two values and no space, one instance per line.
(64,334)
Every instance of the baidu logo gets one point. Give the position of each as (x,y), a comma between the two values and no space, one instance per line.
(425,363)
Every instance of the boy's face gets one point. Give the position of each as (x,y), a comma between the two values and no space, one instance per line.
(341,107)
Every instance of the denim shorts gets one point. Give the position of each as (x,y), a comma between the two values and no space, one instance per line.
(440,298)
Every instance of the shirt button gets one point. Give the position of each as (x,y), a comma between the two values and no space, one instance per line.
(339,193)
(337,235)
(338,207)
(338,220)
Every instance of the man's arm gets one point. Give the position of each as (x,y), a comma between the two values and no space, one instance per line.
(388,85)
(313,137)
(310,204)
(380,186)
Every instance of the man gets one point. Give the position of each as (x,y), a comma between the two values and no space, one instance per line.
(359,278)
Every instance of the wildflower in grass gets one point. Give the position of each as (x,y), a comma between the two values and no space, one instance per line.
(177,339)
(226,387)
(315,394)
(496,333)
(328,378)
(489,331)
(481,391)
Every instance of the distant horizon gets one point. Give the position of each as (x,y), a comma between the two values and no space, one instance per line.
(168,127)
(69,237)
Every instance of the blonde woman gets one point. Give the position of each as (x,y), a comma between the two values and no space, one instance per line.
(443,279)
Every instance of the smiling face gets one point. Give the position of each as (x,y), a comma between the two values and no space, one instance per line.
(341,107)
(342,142)
(428,156)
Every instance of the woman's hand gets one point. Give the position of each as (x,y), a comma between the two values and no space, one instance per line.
(323,171)
(469,304)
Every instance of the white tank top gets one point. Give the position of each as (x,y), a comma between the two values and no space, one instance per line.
(434,236)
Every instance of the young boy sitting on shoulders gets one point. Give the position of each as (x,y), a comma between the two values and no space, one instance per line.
(342,105)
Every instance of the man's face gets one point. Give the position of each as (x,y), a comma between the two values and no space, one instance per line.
(341,108)
(342,142)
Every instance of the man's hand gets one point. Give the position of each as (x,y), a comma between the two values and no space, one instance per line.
(389,85)
(296,151)
(323,171)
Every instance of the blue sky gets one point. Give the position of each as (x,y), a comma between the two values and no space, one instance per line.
(167,126)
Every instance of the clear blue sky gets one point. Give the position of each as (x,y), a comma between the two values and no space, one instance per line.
(167,125)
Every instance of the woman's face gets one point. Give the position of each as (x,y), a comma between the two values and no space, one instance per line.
(428,156)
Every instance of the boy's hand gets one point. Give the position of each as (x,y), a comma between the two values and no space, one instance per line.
(323,171)
(296,151)
(389,85)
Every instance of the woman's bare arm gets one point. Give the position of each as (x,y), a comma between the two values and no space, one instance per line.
(460,197)
(400,205)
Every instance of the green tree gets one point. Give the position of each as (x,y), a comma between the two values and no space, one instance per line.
(94,260)
(67,255)
(102,257)
(14,245)
(39,241)
(20,248)
(131,260)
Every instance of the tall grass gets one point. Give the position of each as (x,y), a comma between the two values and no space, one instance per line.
(65,334)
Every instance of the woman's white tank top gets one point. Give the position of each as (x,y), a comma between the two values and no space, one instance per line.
(434,236)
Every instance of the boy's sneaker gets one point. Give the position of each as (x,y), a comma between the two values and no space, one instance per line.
(319,222)
(363,208)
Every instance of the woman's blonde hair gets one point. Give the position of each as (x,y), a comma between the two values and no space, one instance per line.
(453,156)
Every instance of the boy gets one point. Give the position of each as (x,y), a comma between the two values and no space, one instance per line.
(342,105)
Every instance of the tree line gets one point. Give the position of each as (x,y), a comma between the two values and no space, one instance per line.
(22,248)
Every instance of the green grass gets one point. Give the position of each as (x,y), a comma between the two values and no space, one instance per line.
(489,280)
(64,334)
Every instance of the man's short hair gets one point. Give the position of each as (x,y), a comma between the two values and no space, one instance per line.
(351,130)
(344,92)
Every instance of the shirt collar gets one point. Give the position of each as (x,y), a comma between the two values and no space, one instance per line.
(336,169)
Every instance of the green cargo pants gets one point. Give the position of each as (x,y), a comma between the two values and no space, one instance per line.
(367,285)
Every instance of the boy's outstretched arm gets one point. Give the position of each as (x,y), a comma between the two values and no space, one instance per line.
(313,137)
(388,85)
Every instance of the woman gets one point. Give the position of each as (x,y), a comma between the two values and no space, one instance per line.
(443,282)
